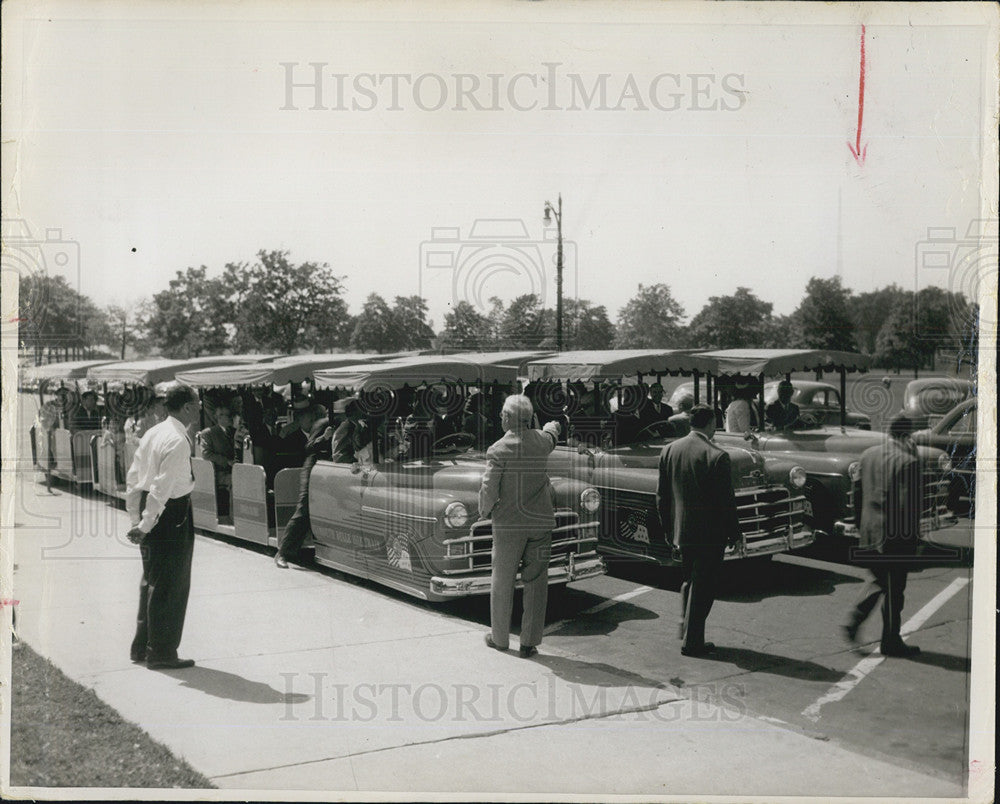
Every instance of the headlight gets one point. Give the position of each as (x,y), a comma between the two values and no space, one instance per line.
(590,500)
(797,476)
(456,515)
(944,462)
(854,470)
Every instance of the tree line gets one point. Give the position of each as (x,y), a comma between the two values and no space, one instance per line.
(274,305)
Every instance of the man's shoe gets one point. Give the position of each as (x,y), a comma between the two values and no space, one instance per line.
(900,649)
(169,664)
(137,659)
(280,561)
(527,651)
(700,650)
(488,639)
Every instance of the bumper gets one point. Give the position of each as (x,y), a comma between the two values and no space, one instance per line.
(791,539)
(573,569)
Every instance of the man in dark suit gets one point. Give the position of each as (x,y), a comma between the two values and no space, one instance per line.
(783,414)
(318,445)
(888,498)
(697,508)
(86,417)
(217,447)
(653,408)
(517,496)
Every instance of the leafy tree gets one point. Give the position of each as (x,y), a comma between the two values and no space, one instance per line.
(54,316)
(650,320)
(778,332)
(187,318)
(285,307)
(124,327)
(731,322)
(522,324)
(586,326)
(823,319)
(409,316)
(870,311)
(465,328)
(374,329)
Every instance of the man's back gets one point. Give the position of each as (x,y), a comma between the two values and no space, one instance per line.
(695,496)
(516,490)
(890,492)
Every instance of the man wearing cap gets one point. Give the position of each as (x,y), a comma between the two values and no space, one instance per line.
(158,501)
(318,444)
(697,507)
(783,414)
(888,498)
(516,494)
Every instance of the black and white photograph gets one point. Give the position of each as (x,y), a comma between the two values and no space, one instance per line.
(519,400)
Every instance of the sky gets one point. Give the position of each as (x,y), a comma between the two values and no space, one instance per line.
(157,136)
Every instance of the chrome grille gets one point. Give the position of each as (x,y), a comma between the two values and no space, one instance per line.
(571,540)
(768,511)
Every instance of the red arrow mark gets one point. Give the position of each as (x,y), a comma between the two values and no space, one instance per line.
(856,149)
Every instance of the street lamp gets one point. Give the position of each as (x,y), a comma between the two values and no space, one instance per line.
(549,212)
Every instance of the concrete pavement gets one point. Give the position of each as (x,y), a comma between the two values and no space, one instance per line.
(313,681)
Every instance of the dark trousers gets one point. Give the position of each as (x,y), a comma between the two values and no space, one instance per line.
(888,583)
(701,565)
(166,580)
(297,529)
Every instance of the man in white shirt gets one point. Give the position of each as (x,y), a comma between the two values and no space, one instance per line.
(158,501)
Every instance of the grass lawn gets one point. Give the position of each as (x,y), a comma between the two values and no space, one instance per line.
(63,735)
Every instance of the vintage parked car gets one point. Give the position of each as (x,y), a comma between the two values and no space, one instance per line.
(829,454)
(955,433)
(622,463)
(409,517)
(927,400)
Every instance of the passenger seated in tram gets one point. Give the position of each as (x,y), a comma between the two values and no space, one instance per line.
(653,409)
(217,447)
(477,421)
(783,414)
(740,415)
(352,436)
(681,422)
(85,415)
(625,419)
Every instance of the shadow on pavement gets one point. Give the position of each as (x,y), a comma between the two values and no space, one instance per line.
(221,684)
(946,661)
(757,662)
(758,580)
(604,623)
(595,674)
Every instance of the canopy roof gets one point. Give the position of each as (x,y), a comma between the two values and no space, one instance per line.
(614,364)
(72,370)
(772,362)
(279,372)
(518,360)
(160,369)
(415,371)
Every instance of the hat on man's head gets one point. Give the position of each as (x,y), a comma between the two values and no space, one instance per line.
(900,425)
(301,403)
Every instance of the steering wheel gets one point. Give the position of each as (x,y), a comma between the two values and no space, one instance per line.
(660,429)
(454,441)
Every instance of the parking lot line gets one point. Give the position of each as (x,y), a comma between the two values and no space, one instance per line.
(858,673)
(612,601)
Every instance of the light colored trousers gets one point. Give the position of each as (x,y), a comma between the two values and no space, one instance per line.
(529,549)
